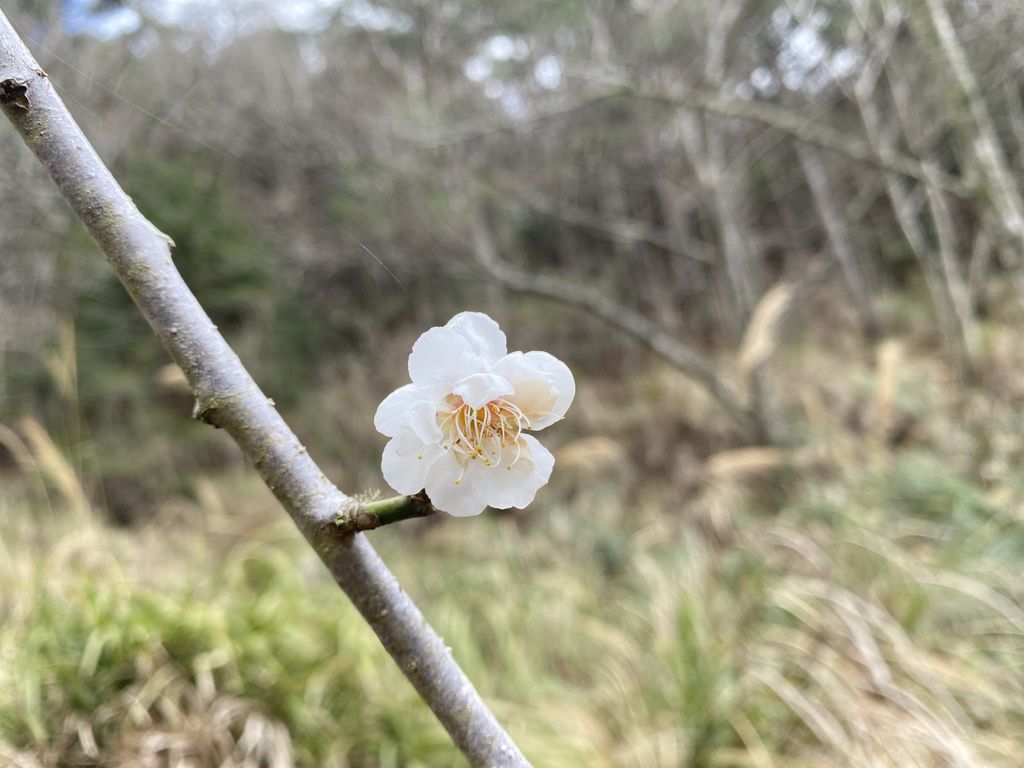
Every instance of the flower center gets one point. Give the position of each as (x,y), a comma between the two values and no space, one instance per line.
(472,433)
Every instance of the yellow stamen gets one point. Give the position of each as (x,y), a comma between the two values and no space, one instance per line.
(482,432)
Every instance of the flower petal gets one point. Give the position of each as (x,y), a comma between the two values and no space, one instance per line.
(450,491)
(407,472)
(407,444)
(544,385)
(392,412)
(439,358)
(480,388)
(483,334)
(422,420)
(514,483)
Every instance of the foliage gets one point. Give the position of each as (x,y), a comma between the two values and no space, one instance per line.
(869,619)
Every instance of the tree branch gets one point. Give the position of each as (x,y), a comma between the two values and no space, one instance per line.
(366,516)
(227,397)
(621,318)
(1000,186)
(813,133)
(618,227)
(838,234)
(778,118)
(906,213)
(790,123)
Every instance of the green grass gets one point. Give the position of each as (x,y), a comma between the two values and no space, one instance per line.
(873,619)
(666,602)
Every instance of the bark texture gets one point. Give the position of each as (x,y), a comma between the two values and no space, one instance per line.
(228,397)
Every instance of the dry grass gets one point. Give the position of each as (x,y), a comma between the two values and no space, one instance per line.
(854,602)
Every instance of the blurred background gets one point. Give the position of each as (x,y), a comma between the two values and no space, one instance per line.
(780,244)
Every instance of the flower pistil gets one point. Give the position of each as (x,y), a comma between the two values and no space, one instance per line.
(472,433)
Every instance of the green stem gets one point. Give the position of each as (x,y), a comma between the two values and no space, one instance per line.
(374,514)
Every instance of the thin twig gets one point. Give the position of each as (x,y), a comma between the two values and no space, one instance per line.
(227,397)
(621,318)
(785,121)
(1000,186)
(366,516)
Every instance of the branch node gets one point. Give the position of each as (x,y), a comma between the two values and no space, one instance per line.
(356,516)
(14,92)
(208,406)
(204,412)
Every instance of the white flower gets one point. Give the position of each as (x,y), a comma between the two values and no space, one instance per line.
(459,430)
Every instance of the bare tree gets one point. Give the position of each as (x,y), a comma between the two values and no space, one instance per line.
(840,239)
(621,318)
(1000,185)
